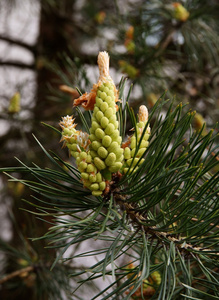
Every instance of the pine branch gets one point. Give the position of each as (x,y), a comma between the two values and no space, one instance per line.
(138,220)
(153,202)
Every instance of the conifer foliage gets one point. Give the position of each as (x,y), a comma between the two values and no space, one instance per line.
(149,193)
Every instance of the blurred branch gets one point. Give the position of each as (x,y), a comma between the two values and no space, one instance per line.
(19,43)
(17,64)
(16,273)
(164,44)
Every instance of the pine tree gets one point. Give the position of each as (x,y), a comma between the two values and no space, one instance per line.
(146,208)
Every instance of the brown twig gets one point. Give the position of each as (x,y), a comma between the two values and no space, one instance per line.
(17,64)
(16,273)
(216,157)
(211,224)
(196,219)
(165,43)
(19,43)
(203,276)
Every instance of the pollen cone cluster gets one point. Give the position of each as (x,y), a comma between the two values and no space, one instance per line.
(149,286)
(138,142)
(78,144)
(105,146)
(99,153)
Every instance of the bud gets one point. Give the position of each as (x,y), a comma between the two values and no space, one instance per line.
(78,143)
(152,99)
(156,278)
(14,105)
(129,43)
(180,12)
(130,70)
(100,17)
(132,156)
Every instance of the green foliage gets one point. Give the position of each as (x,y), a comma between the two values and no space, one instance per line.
(33,277)
(163,217)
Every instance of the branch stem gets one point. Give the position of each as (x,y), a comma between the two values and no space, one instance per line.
(17,64)
(138,219)
(18,43)
(16,273)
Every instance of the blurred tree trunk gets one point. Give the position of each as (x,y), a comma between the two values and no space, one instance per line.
(55,32)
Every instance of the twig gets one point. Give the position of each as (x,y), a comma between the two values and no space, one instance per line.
(216,157)
(211,224)
(18,43)
(196,219)
(138,219)
(165,43)
(17,64)
(203,276)
(16,273)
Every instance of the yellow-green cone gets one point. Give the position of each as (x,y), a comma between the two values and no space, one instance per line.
(78,145)
(99,154)
(131,157)
(105,145)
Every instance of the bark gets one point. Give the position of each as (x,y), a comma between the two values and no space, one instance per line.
(55,33)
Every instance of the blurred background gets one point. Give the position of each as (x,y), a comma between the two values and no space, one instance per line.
(157,45)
